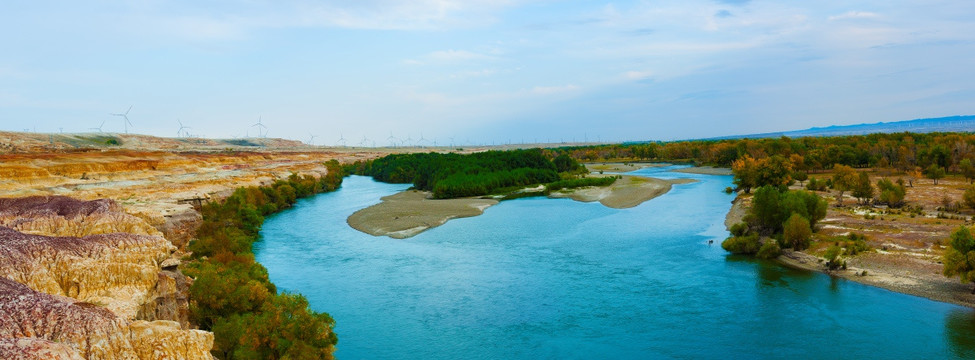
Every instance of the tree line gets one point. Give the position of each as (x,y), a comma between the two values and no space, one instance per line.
(901,151)
(455,175)
(231,294)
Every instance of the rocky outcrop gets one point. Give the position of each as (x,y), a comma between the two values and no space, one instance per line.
(36,349)
(169,299)
(36,325)
(115,270)
(64,216)
(180,227)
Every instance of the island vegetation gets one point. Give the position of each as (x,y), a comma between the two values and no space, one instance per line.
(232,296)
(453,175)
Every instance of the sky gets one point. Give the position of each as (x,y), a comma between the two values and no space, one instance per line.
(481,71)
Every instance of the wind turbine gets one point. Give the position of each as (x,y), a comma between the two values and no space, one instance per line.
(392,139)
(259,126)
(125,116)
(99,128)
(341,140)
(311,140)
(409,140)
(364,141)
(182,129)
(421,140)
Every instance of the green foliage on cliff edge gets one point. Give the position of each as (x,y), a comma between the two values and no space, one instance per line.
(231,294)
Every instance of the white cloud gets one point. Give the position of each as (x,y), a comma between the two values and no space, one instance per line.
(449,57)
(637,75)
(854,15)
(550,90)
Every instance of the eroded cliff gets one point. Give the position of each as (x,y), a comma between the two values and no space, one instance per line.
(83,272)
(34,325)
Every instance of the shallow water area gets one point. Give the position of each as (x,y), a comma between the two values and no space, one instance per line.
(546,278)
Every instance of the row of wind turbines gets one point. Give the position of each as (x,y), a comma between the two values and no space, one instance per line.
(262,131)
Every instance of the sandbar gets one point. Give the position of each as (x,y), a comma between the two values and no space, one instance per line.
(410,212)
(621,167)
(625,193)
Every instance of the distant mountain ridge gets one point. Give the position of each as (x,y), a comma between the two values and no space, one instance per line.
(960,123)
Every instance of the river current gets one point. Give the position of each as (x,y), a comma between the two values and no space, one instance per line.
(555,278)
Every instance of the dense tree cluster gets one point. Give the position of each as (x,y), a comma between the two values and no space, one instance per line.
(785,218)
(456,175)
(901,151)
(231,294)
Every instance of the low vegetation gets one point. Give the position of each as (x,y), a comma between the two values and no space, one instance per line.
(231,294)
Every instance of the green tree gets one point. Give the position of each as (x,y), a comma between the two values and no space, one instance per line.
(934,172)
(745,171)
(844,179)
(800,176)
(796,232)
(967,170)
(969,197)
(863,190)
(959,257)
(892,194)
(771,208)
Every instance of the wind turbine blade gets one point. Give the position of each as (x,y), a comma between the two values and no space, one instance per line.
(127,111)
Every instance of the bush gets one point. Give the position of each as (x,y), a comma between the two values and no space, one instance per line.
(832,257)
(739,229)
(969,197)
(815,184)
(891,194)
(796,232)
(748,244)
(769,250)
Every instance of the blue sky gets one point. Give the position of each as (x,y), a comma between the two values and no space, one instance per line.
(482,70)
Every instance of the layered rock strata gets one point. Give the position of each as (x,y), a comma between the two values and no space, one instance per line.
(35,325)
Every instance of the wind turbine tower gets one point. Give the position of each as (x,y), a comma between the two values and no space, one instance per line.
(182,130)
(259,126)
(126,121)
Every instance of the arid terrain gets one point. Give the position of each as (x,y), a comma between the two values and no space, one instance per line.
(91,237)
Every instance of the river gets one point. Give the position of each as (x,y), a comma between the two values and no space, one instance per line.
(554,278)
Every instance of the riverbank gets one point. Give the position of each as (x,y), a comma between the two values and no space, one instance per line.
(408,213)
(905,255)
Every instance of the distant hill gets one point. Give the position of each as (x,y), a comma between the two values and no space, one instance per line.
(12,142)
(964,123)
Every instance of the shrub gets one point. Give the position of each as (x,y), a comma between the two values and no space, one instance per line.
(832,257)
(891,194)
(769,250)
(739,229)
(969,197)
(748,244)
(796,232)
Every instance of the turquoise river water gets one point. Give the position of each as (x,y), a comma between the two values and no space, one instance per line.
(554,278)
